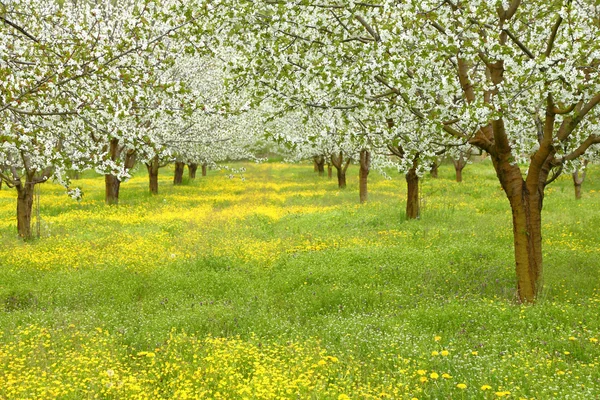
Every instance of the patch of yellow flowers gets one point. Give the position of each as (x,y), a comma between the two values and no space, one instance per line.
(40,363)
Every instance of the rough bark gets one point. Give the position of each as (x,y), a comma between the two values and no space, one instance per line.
(153,167)
(192,168)
(24,209)
(178,177)
(204,168)
(329,170)
(365,166)
(338,162)
(412,199)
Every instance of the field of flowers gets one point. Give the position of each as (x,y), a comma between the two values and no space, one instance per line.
(284,287)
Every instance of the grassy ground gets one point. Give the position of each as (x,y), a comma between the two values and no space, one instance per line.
(283,286)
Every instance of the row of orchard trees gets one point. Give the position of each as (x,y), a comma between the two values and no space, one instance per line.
(90,84)
(103,85)
(517,80)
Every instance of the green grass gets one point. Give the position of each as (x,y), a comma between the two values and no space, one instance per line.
(287,257)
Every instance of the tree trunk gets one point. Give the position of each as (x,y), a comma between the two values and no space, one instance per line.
(204,169)
(329,171)
(315,165)
(412,199)
(24,209)
(434,169)
(578,180)
(192,168)
(153,167)
(338,162)
(526,206)
(365,165)
(320,164)
(459,165)
(527,230)
(112,185)
(178,178)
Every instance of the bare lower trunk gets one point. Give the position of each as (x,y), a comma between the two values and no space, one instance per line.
(329,171)
(365,165)
(24,209)
(153,167)
(527,230)
(412,199)
(341,166)
(320,164)
(204,169)
(459,165)
(434,169)
(178,177)
(112,185)
(192,168)
(341,176)
(315,166)
(578,180)
(526,207)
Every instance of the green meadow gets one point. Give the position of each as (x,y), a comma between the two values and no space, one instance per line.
(282,286)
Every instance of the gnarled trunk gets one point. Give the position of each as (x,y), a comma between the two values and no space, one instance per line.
(153,167)
(365,166)
(178,177)
(412,198)
(329,170)
(459,165)
(192,168)
(204,168)
(24,209)
(338,162)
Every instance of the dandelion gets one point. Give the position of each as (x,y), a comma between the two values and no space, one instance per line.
(445,353)
(434,375)
(461,386)
(435,353)
(421,372)
(437,338)
(423,379)
(343,397)
(502,394)
(486,387)
(446,376)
